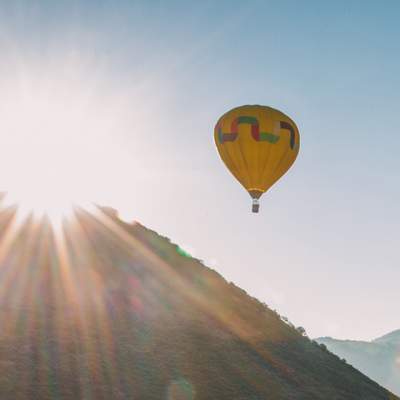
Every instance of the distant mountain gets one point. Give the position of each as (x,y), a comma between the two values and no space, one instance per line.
(392,338)
(378,359)
(100,309)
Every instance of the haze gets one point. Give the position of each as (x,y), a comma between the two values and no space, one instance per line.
(155,77)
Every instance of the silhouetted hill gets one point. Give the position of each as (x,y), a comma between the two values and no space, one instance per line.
(100,309)
(379,359)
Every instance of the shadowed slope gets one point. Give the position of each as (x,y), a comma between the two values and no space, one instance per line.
(100,309)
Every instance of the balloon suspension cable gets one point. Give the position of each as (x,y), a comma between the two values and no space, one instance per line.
(256,206)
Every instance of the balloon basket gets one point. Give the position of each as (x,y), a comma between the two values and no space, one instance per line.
(255,206)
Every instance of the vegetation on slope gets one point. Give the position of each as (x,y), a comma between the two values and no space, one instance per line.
(106,310)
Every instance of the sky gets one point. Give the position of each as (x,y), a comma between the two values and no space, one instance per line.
(118,101)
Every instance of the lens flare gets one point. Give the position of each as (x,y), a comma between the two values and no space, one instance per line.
(59,142)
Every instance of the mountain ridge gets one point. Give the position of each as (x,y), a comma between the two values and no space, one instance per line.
(392,337)
(103,309)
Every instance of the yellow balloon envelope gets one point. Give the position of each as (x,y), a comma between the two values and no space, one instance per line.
(258,144)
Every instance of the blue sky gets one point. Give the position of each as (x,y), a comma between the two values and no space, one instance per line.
(323,250)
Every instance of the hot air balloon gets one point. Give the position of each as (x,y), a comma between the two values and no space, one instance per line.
(258,144)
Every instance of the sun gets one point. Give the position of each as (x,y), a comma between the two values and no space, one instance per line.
(58,140)
(40,204)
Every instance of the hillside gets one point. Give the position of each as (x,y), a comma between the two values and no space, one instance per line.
(107,310)
(379,359)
